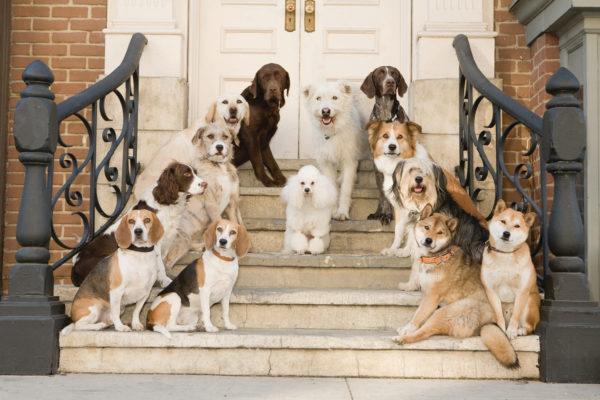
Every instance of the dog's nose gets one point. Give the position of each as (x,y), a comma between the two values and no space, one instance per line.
(222,242)
(325,111)
(505,234)
(419,179)
(392,147)
(232,111)
(203,184)
(307,190)
(273,90)
(138,231)
(389,82)
(428,241)
(219,148)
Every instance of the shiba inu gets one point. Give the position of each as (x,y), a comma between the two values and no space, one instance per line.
(507,271)
(451,281)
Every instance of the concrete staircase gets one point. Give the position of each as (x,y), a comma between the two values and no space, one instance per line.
(327,315)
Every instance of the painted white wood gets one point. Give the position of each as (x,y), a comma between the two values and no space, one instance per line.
(231,39)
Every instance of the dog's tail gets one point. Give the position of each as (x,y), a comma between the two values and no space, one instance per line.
(68,329)
(162,329)
(498,344)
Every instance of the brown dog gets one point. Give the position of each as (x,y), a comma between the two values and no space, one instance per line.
(454,301)
(265,96)
(507,271)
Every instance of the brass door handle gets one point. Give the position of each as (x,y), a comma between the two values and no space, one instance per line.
(290,15)
(309,15)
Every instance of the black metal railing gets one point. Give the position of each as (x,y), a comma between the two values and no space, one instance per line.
(122,83)
(31,316)
(476,92)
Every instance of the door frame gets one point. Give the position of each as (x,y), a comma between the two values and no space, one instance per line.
(4,95)
(194,52)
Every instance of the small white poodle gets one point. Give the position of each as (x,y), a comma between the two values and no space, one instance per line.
(310,197)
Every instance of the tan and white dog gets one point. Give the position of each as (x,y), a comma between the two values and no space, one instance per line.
(231,110)
(507,271)
(204,282)
(126,277)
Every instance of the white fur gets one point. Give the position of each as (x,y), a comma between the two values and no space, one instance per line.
(340,144)
(308,214)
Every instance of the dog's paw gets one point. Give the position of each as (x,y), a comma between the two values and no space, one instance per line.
(406,329)
(521,332)
(511,332)
(211,328)
(137,326)
(166,281)
(341,215)
(398,339)
(122,328)
(281,181)
(388,251)
(408,286)
(374,216)
(231,327)
(385,219)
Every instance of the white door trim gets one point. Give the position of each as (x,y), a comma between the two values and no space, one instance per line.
(194,52)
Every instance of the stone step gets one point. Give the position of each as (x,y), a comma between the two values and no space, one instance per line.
(348,237)
(303,308)
(290,352)
(265,202)
(322,271)
(365,176)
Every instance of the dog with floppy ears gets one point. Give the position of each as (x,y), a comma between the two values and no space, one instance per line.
(507,271)
(454,301)
(124,278)
(204,282)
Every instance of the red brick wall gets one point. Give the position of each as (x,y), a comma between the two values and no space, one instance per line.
(66,35)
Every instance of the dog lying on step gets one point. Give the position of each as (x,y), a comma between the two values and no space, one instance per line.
(204,282)
(454,301)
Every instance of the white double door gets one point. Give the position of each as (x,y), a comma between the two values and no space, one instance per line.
(351,37)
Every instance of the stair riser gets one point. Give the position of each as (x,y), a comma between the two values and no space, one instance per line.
(272,207)
(341,242)
(265,316)
(365,180)
(295,362)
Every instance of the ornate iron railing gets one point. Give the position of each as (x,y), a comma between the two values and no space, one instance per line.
(475,92)
(122,83)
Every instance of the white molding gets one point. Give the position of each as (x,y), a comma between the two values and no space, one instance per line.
(350,31)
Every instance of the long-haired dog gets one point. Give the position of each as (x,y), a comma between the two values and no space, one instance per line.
(204,282)
(310,197)
(454,301)
(214,144)
(507,272)
(125,277)
(167,198)
(416,183)
(232,110)
(340,142)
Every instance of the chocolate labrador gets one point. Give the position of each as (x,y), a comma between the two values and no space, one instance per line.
(265,97)
(383,83)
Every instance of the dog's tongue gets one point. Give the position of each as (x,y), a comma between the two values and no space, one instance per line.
(418,189)
(326,120)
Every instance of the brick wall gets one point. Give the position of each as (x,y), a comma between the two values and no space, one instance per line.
(66,35)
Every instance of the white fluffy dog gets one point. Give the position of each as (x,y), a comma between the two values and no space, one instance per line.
(336,110)
(310,197)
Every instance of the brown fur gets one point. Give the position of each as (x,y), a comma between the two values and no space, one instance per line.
(81,307)
(156,229)
(115,279)
(123,233)
(265,97)
(406,134)
(174,179)
(242,242)
(200,273)
(455,287)
(159,316)
(210,235)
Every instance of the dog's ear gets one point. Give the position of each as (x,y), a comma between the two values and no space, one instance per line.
(452,224)
(368,86)
(211,114)
(440,178)
(401,85)
(123,233)
(286,83)
(373,131)
(426,212)
(500,206)
(156,229)
(414,128)
(198,134)
(530,218)
(254,88)
(345,87)
(210,235)
(167,189)
(247,115)
(396,177)
(242,242)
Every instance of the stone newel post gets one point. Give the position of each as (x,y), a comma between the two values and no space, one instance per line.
(570,326)
(31,316)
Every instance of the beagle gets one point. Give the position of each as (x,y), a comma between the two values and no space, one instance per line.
(204,282)
(123,278)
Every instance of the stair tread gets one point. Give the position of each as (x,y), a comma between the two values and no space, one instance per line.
(278,224)
(333,260)
(357,193)
(299,296)
(281,339)
(295,164)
